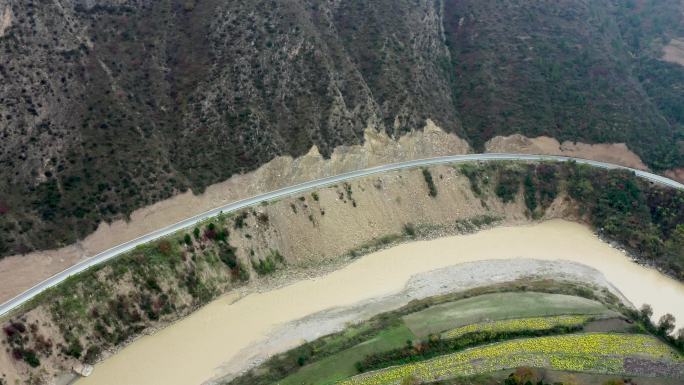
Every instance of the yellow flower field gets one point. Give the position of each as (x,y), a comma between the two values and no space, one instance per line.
(600,352)
(519,324)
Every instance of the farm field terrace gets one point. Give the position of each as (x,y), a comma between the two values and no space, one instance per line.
(559,328)
(593,352)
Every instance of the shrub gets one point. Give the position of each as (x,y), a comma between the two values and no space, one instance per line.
(92,354)
(30,358)
(410,230)
(432,189)
(508,186)
(348,190)
(269,264)
(472,172)
(227,256)
(75,348)
(164,247)
(666,324)
(262,218)
(240,220)
(530,193)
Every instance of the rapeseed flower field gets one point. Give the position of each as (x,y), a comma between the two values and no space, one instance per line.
(599,352)
(519,324)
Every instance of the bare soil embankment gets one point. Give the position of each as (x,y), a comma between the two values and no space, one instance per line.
(20,272)
(616,153)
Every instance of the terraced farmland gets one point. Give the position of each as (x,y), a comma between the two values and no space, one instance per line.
(598,353)
(474,336)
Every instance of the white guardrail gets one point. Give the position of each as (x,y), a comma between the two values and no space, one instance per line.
(106,255)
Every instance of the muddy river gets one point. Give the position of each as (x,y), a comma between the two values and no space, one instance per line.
(194,349)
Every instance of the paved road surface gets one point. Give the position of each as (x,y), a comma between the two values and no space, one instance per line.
(297,189)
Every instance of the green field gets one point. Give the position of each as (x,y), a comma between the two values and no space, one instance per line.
(341,365)
(499,306)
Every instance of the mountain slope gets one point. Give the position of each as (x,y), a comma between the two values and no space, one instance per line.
(110,105)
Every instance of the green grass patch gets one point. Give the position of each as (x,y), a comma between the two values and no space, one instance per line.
(342,365)
(499,306)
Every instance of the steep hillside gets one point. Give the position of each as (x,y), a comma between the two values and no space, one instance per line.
(110,105)
(573,70)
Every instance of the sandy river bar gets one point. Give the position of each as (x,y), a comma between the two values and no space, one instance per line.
(194,349)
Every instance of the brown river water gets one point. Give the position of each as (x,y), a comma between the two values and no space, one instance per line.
(192,350)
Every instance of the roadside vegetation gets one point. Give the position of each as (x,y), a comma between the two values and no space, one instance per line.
(432,189)
(645,219)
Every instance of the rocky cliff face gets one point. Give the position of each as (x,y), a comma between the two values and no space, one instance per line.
(110,105)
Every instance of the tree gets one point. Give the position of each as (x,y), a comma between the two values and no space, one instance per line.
(666,324)
(187,239)
(196,233)
(680,336)
(646,312)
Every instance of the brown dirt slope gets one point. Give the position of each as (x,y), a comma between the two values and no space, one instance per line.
(20,272)
(616,153)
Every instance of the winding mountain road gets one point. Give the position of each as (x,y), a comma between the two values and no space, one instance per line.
(106,255)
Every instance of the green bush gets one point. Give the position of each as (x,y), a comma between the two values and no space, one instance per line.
(508,185)
(268,264)
(432,189)
(227,255)
(31,358)
(473,173)
(74,349)
(410,230)
(530,193)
